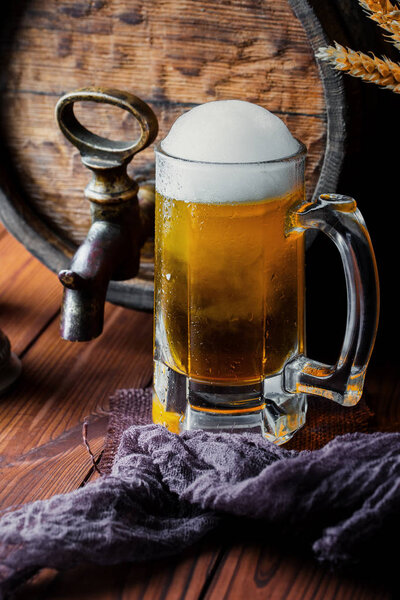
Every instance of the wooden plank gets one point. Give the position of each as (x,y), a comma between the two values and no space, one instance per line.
(64,382)
(59,466)
(30,295)
(182,577)
(41,416)
(258,571)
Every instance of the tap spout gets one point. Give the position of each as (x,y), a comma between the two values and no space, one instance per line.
(111,250)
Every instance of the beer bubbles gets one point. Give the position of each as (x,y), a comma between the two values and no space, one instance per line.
(231,135)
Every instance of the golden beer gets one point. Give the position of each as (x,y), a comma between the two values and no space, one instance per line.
(229,287)
(229,277)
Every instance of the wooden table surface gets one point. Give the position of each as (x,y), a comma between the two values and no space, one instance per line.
(41,453)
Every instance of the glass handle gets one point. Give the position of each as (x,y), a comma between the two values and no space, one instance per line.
(338,217)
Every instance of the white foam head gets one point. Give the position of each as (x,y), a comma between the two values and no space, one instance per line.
(223,149)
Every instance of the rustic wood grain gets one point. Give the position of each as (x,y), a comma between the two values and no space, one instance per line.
(58,466)
(63,382)
(258,571)
(63,203)
(172,53)
(23,315)
(41,450)
(178,577)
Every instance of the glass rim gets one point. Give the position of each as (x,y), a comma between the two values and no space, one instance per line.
(296,156)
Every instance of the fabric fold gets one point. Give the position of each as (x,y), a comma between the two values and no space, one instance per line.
(163,492)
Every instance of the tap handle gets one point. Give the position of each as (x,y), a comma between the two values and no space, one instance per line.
(97,151)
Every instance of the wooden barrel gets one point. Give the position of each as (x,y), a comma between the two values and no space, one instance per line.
(174,55)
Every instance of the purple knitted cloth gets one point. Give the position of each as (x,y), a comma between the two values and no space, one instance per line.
(165,491)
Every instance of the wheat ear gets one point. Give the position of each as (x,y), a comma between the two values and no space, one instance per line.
(380,71)
(387,15)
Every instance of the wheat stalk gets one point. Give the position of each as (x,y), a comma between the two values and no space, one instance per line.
(387,16)
(380,71)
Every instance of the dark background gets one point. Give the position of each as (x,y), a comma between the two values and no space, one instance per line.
(370,174)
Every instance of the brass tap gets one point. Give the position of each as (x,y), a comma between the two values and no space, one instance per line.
(111,250)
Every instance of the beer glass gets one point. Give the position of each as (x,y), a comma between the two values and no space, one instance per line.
(229,339)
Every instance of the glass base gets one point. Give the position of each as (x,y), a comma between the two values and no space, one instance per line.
(181,404)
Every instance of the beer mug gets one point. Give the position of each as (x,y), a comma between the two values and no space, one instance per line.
(229,342)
